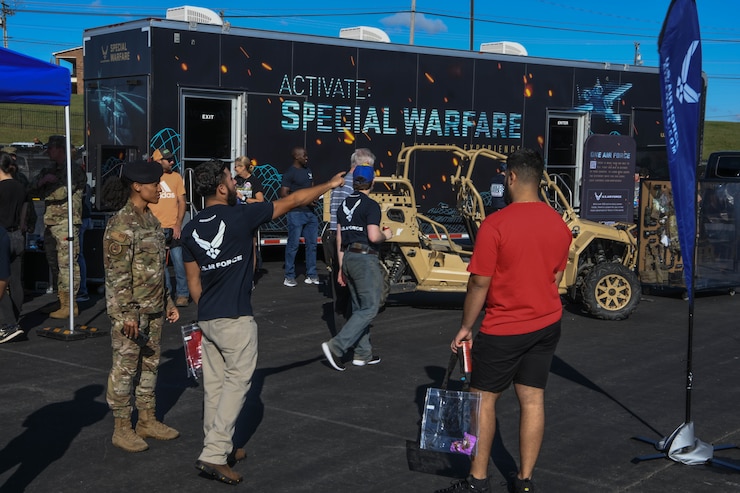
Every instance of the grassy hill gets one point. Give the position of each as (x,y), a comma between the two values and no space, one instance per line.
(718,136)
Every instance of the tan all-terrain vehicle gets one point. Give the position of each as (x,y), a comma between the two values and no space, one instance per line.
(422,256)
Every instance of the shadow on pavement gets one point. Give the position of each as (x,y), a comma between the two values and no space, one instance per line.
(49,433)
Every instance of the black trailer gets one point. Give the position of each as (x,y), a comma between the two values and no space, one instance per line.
(208,91)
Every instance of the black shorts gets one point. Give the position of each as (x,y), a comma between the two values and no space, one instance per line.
(524,359)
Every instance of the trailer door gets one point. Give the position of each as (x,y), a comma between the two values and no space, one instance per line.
(566,134)
(212,127)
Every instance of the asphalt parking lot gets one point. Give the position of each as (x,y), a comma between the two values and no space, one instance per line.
(308,428)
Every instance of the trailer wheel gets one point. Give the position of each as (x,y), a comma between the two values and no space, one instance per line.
(611,291)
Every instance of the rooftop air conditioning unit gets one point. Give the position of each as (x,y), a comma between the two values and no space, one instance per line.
(504,48)
(199,15)
(364,33)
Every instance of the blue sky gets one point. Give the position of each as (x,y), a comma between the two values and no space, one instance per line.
(576,29)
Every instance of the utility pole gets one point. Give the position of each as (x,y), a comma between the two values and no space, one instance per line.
(638,56)
(6,11)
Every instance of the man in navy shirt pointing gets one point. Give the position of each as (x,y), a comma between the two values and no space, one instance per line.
(218,263)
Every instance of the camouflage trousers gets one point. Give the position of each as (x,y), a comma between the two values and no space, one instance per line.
(134,368)
(59,233)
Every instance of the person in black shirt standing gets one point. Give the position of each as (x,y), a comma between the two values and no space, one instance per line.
(302,219)
(217,250)
(13,215)
(358,236)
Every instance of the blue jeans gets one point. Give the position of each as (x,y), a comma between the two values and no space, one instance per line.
(365,280)
(86,224)
(308,224)
(181,281)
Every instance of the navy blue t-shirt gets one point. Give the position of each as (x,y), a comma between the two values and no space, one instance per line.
(353,216)
(298,179)
(219,239)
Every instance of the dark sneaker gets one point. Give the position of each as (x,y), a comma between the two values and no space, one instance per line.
(374,360)
(334,361)
(8,332)
(521,485)
(82,297)
(464,485)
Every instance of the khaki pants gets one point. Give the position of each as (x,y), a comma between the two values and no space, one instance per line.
(229,353)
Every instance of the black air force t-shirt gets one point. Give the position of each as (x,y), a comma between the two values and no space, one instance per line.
(219,239)
(353,216)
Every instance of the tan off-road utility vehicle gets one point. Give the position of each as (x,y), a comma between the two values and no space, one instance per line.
(422,256)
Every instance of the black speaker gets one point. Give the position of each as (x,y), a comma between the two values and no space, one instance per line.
(93,251)
(35,271)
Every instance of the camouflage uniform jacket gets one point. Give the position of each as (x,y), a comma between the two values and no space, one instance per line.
(134,252)
(55,194)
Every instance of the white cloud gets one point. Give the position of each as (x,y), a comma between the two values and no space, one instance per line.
(421,23)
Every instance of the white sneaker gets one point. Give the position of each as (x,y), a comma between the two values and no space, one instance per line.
(8,332)
(312,280)
(374,360)
(290,282)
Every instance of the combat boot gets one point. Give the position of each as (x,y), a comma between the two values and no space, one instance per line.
(149,427)
(125,438)
(63,311)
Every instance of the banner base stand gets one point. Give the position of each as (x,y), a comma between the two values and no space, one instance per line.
(682,446)
(65,334)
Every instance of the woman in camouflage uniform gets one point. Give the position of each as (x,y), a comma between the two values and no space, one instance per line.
(136,300)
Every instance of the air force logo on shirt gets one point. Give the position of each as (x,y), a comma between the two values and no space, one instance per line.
(211,247)
(349,212)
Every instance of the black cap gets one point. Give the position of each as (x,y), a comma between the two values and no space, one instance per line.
(160,154)
(142,171)
(56,141)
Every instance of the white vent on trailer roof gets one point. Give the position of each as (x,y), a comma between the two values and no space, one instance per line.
(199,15)
(504,48)
(364,33)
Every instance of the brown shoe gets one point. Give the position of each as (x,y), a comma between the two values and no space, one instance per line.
(182,301)
(236,455)
(222,472)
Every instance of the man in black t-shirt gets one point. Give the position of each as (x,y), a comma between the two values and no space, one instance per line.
(300,220)
(217,250)
(358,237)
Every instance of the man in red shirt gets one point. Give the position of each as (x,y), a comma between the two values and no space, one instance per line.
(518,261)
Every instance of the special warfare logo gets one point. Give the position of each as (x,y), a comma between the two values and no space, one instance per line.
(684,92)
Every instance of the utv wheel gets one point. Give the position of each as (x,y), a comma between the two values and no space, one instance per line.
(386,290)
(611,291)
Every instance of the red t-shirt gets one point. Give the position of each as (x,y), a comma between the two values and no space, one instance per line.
(521,247)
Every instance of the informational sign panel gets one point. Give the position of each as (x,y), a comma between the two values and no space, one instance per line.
(609,178)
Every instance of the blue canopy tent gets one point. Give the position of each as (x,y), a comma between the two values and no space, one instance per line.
(31,81)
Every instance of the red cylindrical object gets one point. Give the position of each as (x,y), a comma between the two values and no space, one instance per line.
(467,358)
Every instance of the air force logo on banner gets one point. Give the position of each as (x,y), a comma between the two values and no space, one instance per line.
(684,92)
(211,247)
